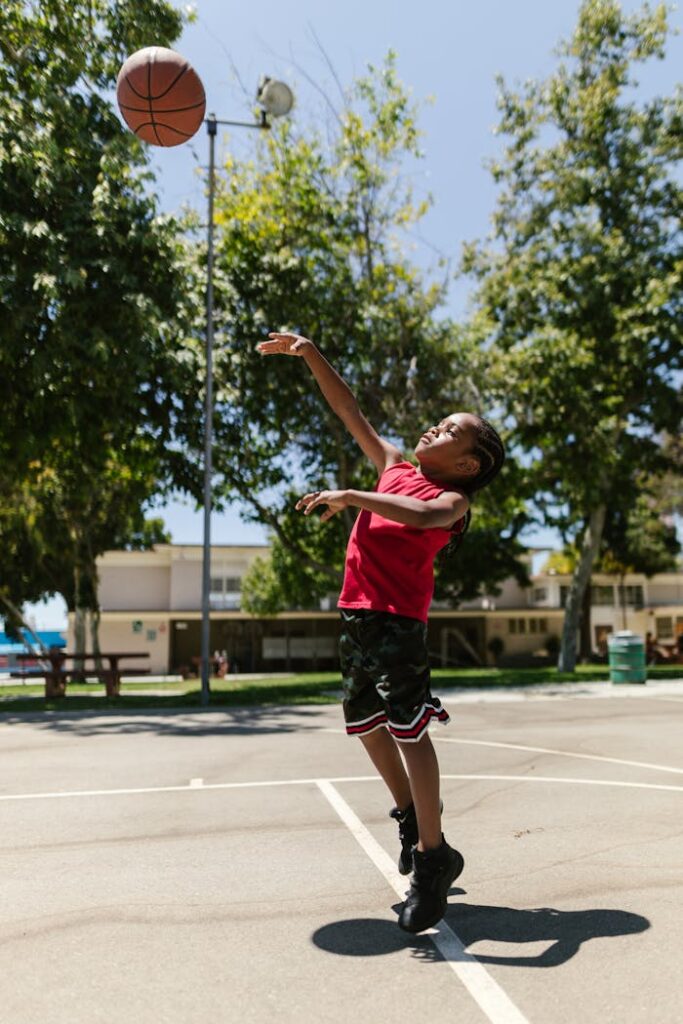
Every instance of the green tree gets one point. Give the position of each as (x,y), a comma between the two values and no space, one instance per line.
(94,299)
(311,238)
(638,539)
(579,290)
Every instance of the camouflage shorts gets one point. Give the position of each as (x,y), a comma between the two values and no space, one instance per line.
(385,675)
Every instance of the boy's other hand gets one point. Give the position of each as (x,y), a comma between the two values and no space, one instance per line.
(284,345)
(335,501)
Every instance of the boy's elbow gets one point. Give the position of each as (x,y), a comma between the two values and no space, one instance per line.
(432,518)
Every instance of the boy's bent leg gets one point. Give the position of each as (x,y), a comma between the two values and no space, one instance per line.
(423,771)
(384,754)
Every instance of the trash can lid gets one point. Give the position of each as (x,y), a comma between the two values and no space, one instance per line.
(624,636)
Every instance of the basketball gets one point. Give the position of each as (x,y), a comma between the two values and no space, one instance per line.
(160,96)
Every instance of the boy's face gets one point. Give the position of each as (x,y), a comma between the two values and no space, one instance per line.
(446,449)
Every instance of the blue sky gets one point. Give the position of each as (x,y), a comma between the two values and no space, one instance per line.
(447,49)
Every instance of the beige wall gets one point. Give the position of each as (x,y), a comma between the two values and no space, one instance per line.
(186,584)
(167,578)
(523,643)
(141,588)
(664,590)
(511,596)
(151,634)
(186,573)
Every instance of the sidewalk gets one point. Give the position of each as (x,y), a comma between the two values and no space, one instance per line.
(5,679)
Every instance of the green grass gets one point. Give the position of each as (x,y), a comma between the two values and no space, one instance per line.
(306,688)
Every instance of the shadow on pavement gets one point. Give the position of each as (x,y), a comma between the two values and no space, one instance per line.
(566,930)
(188,722)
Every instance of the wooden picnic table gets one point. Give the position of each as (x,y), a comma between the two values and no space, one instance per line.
(56,675)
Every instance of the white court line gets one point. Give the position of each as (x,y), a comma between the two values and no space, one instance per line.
(560,753)
(571,782)
(4,797)
(542,750)
(486,992)
(164,789)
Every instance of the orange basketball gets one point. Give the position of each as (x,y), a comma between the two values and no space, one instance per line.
(160,96)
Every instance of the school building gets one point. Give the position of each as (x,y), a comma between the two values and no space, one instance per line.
(151,602)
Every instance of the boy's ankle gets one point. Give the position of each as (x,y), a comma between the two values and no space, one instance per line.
(430,847)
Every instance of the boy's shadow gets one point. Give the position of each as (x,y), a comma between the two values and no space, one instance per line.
(566,930)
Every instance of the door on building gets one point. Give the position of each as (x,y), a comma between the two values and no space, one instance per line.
(601,634)
(460,645)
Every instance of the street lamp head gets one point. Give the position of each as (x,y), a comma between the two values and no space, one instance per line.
(276,98)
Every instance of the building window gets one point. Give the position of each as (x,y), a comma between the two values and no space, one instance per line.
(634,596)
(664,626)
(564,594)
(540,594)
(602,596)
(225,593)
(522,626)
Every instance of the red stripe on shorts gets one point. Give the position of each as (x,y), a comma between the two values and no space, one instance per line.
(367,726)
(411,732)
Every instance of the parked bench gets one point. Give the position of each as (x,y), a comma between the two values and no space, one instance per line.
(57,676)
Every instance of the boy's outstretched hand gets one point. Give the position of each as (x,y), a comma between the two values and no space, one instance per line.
(284,345)
(335,501)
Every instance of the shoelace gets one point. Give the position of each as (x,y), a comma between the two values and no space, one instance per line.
(406,824)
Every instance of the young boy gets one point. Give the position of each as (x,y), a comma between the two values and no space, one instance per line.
(388,587)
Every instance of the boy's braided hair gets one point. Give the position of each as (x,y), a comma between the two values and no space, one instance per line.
(490,451)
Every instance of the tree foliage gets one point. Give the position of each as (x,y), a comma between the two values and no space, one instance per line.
(92,298)
(639,539)
(579,289)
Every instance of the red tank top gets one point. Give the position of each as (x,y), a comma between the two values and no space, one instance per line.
(390,566)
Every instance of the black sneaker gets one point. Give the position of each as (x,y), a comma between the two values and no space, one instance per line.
(408,834)
(434,873)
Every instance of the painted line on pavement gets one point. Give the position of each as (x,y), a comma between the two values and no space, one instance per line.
(540,750)
(560,753)
(162,789)
(570,782)
(206,788)
(486,992)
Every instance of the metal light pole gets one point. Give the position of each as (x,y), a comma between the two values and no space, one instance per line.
(276,99)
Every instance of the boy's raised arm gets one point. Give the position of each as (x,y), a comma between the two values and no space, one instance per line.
(338,394)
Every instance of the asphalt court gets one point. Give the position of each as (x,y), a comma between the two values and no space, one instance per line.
(239,865)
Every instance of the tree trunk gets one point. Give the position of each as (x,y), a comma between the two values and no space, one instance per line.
(80,619)
(95,637)
(586,642)
(622,600)
(589,548)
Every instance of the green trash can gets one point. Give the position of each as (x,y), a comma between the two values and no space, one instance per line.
(626,657)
